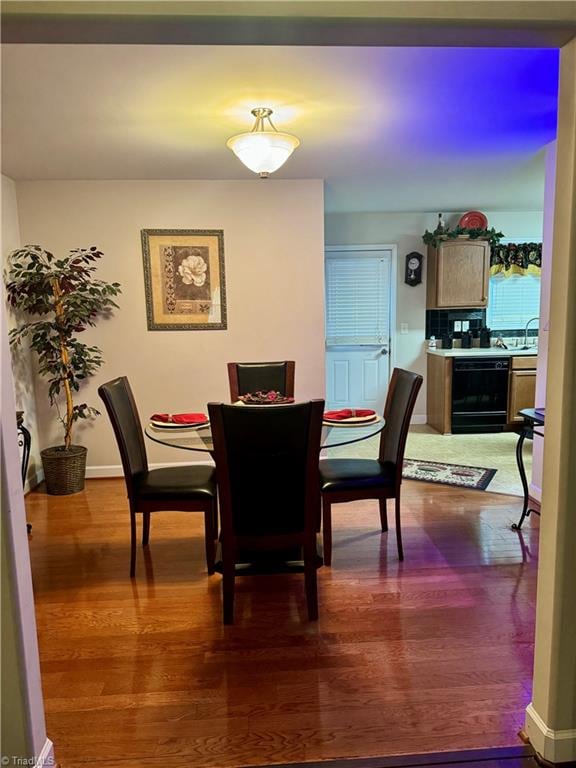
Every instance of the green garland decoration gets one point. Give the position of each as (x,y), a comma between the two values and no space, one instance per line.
(434,238)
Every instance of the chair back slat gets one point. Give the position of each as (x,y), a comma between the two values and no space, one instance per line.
(266,376)
(121,407)
(267,463)
(400,402)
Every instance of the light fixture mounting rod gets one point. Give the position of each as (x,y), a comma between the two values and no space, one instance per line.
(261,114)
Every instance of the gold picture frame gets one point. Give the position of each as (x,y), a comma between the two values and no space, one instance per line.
(184,279)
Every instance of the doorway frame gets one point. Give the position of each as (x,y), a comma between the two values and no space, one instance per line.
(417,23)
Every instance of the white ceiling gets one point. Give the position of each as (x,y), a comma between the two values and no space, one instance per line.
(389,129)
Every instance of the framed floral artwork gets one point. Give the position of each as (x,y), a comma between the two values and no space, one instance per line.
(184,279)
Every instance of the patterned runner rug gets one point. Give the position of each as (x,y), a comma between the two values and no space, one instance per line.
(477,478)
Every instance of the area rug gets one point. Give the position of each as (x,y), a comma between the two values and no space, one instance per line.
(477,478)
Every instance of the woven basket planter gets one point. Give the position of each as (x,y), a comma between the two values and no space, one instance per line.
(64,469)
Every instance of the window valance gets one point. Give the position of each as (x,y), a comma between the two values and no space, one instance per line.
(508,259)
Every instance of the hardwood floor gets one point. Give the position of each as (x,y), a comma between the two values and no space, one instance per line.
(428,655)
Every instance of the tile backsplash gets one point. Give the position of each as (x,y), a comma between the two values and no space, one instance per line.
(439,322)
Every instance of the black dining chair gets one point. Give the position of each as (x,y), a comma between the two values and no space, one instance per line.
(344,480)
(246,378)
(186,489)
(267,463)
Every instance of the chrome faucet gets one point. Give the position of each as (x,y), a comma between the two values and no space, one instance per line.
(526,333)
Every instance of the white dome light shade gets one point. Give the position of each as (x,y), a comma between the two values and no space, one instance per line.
(263,151)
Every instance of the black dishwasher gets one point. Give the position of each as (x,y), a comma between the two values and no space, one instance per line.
(479,394)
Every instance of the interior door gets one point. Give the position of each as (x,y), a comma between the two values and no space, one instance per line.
(358,310)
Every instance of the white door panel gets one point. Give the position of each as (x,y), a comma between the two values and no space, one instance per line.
(371,379)
(340,379)
(357,377)
(358,321)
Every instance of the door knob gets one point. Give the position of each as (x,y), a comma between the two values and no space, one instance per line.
(383,351)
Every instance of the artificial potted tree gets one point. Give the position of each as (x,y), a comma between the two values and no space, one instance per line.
(60,297)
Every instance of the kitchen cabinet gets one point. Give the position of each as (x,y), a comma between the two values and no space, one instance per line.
(521,383)
(439,393)
(457,274)
(521,387)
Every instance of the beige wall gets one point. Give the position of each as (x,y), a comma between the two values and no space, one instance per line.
(543,333)
(268,260)
(21,358)
(406,230)
(273,242)
(15,736)
(23,726)
(14,726)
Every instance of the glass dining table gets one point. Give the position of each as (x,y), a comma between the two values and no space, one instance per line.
(200,438)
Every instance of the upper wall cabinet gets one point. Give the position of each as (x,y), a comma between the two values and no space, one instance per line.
(458,273)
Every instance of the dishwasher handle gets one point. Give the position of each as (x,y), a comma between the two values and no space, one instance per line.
(498,365)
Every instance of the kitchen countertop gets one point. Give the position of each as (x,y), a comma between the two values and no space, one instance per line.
(484,352)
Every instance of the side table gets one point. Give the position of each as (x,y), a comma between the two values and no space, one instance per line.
(24,443)
(533,418)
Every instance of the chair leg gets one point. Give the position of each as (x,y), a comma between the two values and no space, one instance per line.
(215,529)
(146,529)
(327,530)
(310,580)
(398,528)
(383,514)
(209,538)
(132,544)
(228,574)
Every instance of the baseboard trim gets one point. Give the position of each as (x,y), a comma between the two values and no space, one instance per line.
(46,757)
(112,470)
(427,760)
(553,746)
(535,492)
(33,479)
(97,472)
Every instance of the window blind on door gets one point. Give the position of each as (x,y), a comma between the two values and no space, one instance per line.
(357,299)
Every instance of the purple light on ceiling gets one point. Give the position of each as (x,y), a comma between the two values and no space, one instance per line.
(492,100)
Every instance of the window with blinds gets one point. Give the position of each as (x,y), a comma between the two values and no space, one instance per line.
(512,301)
(358,298)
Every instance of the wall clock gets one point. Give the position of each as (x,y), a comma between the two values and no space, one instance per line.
(413,274)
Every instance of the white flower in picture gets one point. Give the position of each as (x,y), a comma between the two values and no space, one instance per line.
(193,270)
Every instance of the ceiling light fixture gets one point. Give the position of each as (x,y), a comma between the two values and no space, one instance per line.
(264,149)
